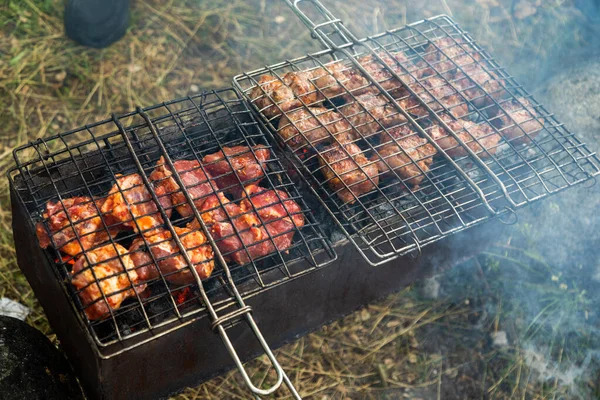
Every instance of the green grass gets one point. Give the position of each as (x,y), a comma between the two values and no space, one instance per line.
(49,84)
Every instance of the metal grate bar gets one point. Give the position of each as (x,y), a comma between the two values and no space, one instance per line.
(435,70)
(90,160)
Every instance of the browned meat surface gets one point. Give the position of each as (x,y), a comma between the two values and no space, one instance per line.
(130,204)
(108,271)
(233,230)
(64,221)
(299,128)
(197,183)
(471,133)
(337,79)
(475,75)
(231,163)
(171,262)
(368,111)
(271,94)
(452,52)
(518,122)
(348,172)
(405,152)
(398,63)
(439,95)
(279,215)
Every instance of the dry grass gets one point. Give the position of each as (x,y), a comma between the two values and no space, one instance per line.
(404,346)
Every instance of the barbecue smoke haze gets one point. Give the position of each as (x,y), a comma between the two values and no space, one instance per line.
(556,298)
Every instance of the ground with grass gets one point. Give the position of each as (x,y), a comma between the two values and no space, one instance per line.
(468,333)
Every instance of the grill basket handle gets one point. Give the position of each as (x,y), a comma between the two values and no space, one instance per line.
(281,375)
(334,38)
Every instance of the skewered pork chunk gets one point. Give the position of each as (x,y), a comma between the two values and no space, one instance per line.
(381,71)
(197,183)
(279,215)
(299,128)
(106,270)
(130,204)
(171,262)
(468,132)
(518,122)
(348,167)
(405,152)
(69,219)
(247,165)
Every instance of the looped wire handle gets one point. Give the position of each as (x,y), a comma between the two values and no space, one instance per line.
(281,376)
(337,30)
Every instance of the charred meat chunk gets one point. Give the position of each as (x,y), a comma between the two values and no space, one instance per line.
(479,137)
(517,121)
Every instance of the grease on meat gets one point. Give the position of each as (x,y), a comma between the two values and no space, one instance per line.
(171,262)
(73,225)
(108,271)
(280,215)
(231,163)
(130,204)
(199,185)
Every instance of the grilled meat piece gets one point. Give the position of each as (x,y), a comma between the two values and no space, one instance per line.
(397,62)
(470,133)
(517,121)
(108,271)
(74,225)
(130,204)
(280,216)
(197,183)
(272,94)
(348,171)
(299,128)
(405,152)
(474,75)
(335,79)
(231,163)
(234,229)
(439,95)
(369,112)
(452,53)
(170,260)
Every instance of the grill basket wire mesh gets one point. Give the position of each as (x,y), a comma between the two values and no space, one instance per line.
(487,180)
(88,161)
